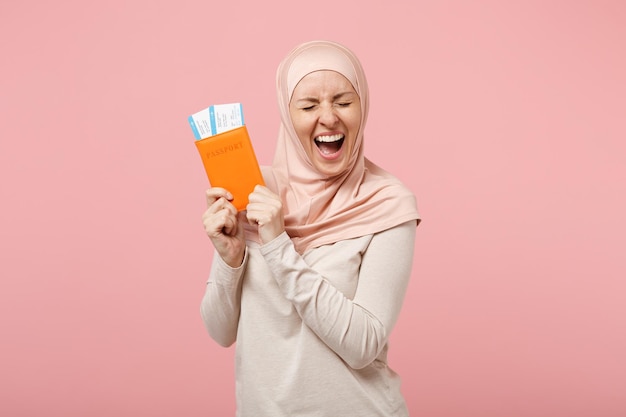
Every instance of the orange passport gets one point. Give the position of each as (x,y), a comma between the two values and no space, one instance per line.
(230,162)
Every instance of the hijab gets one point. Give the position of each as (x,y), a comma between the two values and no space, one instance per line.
(320,210)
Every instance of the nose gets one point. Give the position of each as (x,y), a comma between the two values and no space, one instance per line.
(328,116)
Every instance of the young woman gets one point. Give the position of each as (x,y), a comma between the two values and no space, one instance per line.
(310,279)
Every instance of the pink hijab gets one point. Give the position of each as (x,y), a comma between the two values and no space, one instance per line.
(318,210)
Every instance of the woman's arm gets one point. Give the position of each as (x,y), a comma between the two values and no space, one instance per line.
(222,300)
(358,329)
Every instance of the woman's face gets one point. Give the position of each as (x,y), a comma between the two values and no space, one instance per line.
(326,113)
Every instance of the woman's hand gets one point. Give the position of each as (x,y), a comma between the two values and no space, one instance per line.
(223,227)
(266,210)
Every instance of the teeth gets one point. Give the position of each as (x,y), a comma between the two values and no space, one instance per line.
(331,138)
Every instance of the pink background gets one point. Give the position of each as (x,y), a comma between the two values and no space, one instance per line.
(506,118)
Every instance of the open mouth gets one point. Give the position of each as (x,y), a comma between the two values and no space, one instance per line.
(330,144)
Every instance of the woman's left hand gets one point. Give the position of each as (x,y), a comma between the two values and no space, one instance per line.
(265,210)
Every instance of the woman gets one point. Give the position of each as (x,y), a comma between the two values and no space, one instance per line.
(310,279)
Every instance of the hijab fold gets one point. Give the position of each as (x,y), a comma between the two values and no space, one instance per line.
(319,210)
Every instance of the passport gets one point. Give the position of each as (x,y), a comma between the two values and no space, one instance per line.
(230,163)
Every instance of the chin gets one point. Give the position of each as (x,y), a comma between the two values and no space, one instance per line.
(331,170)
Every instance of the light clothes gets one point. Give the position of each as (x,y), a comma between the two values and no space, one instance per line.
(311,330)
(312,310)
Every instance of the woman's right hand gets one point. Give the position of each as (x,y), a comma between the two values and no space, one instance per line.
(223,227)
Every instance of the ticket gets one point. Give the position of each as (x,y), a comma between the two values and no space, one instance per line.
(216,119)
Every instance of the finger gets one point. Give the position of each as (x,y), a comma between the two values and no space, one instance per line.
(260,213)
(258,199)
(262,193)
(215,193)
(254,217)
(221,223)
(230,226)
(220,204)
(262,190)
(259,204)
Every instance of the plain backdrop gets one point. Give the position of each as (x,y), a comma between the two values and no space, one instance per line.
(506,118)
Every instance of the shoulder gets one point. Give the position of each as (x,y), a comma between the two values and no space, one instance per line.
(394,240)
(395,244)
(404,230)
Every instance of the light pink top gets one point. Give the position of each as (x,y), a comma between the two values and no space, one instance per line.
(311,331)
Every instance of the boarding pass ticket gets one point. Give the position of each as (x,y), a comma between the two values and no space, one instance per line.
(216,119)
